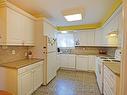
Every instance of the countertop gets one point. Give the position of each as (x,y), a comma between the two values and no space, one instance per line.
(114,67)
(98,55)
(20,63)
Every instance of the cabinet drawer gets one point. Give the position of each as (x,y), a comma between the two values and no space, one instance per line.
(29,67)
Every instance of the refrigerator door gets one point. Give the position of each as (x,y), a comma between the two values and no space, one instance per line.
(50,59)
(50,44)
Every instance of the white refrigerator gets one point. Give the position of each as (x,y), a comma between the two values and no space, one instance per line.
(50,59)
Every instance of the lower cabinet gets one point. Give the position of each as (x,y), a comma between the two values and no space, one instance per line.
(78,62)
(67,61)
(30,78)
(111,82)
(26,83)
(23,81)
(37,76)
(85,62)
(82,62)
(92,62)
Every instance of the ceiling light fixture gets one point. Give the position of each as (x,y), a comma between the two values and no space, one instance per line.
(74,17)
(64,32)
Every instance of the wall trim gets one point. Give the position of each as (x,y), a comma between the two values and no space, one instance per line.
(79,27)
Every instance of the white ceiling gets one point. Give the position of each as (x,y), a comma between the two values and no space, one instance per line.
(94,10)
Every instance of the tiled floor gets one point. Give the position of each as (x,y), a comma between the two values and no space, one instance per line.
(71,83)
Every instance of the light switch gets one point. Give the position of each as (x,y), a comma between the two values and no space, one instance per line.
(13,51)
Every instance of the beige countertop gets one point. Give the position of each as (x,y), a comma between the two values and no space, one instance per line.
(85,54)
(114,67)
(20,63)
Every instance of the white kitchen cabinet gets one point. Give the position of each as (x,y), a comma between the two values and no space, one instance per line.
(30,78)
(92,63)
(111,82)
(16,28)
(71,61)
(58,61)
(82,62)
(38,76)
(99,37)
(48,29)
(26,83)
(84,38)
(85,62)
(63,60)
(29,29)
(22,81)
(67,61)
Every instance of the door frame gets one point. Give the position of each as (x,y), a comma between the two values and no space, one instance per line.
(123,74)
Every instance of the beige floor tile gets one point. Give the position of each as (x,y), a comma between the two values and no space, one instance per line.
(71,83)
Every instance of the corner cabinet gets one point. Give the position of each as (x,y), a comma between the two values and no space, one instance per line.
(16,28)
(30,78)
(22,81)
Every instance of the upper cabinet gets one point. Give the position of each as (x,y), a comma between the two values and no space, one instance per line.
(84,38)
(15,27)
(111,33)
(48,29)
(98,37)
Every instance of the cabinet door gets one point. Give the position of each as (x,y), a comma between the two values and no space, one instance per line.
(27,83)
(58,61)
(85,38)
(14,28)
(91,38)
(71,61)
(82,62)
(38,76)
(92,64)
(63,60)
(99,37)
(29,28)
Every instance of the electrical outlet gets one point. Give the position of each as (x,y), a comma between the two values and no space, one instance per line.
(13,52)
(84,48)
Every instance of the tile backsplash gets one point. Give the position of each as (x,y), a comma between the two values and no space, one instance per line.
(12,53)
(88,50)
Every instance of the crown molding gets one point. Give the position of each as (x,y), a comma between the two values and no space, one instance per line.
(79,27)
(6,4)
